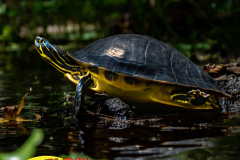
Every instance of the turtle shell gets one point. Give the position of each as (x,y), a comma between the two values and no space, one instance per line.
(145,57)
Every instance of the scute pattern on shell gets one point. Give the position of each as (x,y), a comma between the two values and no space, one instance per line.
(145,57)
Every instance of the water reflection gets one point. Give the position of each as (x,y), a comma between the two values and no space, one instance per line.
(121,139)
(12,128)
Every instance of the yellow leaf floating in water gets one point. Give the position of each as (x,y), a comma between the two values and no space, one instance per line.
(12,112)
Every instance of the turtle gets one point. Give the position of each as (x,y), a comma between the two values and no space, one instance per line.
(135,68)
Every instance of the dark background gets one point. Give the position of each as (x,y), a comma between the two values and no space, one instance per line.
(204,30)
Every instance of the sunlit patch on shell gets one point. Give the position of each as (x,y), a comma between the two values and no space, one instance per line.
(111,76)
(116,52)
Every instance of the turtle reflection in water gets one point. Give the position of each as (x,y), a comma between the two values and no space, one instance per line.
(135,68)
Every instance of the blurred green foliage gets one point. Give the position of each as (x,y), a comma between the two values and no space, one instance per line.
(199,27)
(29,148)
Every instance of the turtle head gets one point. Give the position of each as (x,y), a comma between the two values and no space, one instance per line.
(56,57)
(45,49)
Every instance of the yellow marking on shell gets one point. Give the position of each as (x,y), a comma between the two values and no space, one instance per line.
(165,82)
(138,94)
(55,65)
(157,93)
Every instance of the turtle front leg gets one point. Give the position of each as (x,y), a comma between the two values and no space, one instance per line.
(81,87)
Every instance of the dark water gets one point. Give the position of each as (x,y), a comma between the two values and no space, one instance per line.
(202,135)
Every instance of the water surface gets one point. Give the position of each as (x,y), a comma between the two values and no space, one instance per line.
(202,135)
